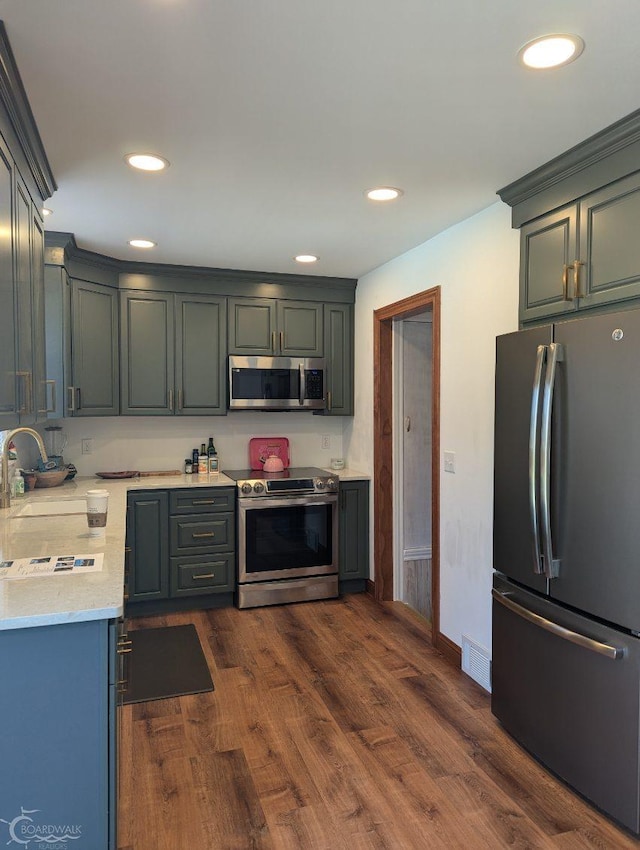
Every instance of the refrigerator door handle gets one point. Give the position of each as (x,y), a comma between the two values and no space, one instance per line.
(605,649)
(551,564)
(534,459)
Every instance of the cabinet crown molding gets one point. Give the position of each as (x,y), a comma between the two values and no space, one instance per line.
(598,147)
(14,99)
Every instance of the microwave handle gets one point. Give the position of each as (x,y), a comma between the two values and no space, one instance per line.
(303,388)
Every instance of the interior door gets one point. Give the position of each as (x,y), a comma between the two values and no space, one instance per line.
(598,402)
(513,545)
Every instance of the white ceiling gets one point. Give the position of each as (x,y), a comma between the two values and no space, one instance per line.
(276,115)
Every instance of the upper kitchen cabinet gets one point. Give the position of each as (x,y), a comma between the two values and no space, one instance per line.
(338,352)
(269,326)
(173,354)
(81,336)
(25,182)
(578,220)
(94,386)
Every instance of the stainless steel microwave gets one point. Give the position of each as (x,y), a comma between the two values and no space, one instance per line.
(276,383)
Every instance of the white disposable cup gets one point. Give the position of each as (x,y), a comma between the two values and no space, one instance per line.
(337,463)
(97,506)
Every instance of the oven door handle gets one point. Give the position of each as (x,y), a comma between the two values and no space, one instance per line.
(260,502)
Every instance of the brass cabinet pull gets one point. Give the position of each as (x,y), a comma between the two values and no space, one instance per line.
(576,278)
(25,393)
(204,575)
(203,502)
(123,650)
(565,283)
(71,406)
(50,382)
(124,643)
(171,400)
(203,534)
(273,342)
(281,341)
(180,403)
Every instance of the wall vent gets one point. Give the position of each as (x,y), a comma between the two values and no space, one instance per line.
(476,662)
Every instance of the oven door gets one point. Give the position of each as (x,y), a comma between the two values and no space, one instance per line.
(287,537)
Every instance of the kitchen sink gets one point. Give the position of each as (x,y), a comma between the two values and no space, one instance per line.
(52,507)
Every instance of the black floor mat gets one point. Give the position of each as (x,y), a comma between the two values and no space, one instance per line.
(166,662)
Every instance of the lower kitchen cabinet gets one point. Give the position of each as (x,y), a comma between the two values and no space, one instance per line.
(354,535)
(181,544)
(58,746)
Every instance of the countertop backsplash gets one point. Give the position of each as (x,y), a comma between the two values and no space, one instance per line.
(163,442)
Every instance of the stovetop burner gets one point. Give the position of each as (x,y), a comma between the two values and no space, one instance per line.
(292,472)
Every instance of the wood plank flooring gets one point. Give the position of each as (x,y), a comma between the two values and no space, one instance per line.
(335,726)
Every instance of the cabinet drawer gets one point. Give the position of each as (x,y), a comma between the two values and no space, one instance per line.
(205,500)
(195,534)
(202,575)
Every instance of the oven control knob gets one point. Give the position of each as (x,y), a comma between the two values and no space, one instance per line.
(246,487)
(332,484)
(319,484)
(258,487)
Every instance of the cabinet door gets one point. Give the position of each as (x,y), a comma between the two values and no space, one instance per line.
(609,244)
(23,259)
(354,530)
(148,540)
(94,336)
(41,396)
(57,299)
(147,371)
(252,326)
(201,347)
(548,246)
(338,352)
(8,400)
(299,329)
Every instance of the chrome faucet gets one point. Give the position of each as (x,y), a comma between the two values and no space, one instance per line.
(5,492)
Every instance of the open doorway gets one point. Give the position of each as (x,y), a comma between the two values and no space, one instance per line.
(412,472)
(385,497)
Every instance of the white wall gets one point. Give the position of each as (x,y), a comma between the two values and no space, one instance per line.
(476,265)
(163,442)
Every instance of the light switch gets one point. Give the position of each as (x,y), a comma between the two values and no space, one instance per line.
(449,461)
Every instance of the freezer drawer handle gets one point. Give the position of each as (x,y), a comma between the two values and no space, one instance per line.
(612,652)
(534,460)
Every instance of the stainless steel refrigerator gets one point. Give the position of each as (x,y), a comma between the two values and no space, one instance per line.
(566,592)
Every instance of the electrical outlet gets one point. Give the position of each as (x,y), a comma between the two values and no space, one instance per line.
(87,446)
(325,441)
(449,461)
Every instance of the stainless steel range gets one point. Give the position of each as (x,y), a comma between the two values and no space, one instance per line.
(287,535)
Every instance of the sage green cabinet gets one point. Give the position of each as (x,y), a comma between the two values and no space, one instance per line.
(173,354)
(338,352)
(353,530)
(94,381)
(267,326)
(82,346)
(8,398)
(148,544)
(582,256)
(28,251)
(181,544)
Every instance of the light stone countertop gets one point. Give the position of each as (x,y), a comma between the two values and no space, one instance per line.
(66,598)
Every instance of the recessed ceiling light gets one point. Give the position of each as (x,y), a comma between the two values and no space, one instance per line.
(142,243)
(306,258)
(146,161)
(551,51)
(46,211)
(383,193)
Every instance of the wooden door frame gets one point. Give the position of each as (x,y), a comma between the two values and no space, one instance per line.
(383,416)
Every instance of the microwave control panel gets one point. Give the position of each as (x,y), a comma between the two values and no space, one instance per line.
(313,381)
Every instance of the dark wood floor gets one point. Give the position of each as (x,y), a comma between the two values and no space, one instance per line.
(334,725)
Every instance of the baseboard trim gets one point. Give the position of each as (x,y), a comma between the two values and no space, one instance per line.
(451,651)
(370,587)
